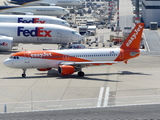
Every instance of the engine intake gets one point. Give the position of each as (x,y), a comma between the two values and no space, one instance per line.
(66,69)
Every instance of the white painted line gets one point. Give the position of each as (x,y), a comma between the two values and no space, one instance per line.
(23,107)
(100,97)
(117,102)
(157,39)
(106,97)
(143,101)
(42,101)
(146,43)
(112,106)
(84,104)
(54,105)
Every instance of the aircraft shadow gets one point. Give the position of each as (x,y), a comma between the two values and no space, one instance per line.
(8,52)
(54,73)
(131,73)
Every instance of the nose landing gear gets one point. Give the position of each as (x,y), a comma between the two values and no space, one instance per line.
(24,73)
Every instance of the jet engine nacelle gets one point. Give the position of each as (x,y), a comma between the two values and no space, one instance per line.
(66,69)
(44,69)
(6,43)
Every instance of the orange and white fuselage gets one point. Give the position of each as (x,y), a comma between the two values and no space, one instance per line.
(53,58)
(69,61)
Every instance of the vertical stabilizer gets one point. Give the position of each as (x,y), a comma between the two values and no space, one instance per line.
(5,4)
(134,39)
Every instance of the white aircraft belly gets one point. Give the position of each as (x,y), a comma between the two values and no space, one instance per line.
(26,62)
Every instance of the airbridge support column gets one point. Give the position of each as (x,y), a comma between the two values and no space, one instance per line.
(117,28)
(117,13)
(137,8)
(137,12)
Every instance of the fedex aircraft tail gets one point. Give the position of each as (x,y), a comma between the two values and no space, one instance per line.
(134,39)
(5,4)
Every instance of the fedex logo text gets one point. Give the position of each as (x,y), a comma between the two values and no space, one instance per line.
(34,20)
(3,44)
(37,32)
(134,36)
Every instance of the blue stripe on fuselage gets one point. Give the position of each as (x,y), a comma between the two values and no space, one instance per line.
(7,7)
(21,2)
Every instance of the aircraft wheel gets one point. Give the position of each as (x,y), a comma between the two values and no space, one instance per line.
(23,75)
(80,74)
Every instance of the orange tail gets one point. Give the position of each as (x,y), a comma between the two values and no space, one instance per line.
(134,39)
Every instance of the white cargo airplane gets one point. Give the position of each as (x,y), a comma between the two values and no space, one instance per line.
(34,10)
(33,19)
(69,61)
(35,33)
(46,2)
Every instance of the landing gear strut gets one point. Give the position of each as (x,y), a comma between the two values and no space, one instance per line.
(80,74)
(24,73)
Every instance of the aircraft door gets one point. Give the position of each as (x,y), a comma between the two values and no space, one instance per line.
(59,36)
(27,59)
(121,55)
(66,36)
(66,57)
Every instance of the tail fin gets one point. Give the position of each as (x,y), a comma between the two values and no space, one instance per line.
(5,4)
(134,39)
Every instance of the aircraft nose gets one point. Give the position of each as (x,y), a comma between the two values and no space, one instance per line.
(77,37)
(67,24)
(7,63)
(66,12)
(80,2)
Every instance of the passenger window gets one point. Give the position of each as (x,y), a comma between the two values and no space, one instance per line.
(11,57)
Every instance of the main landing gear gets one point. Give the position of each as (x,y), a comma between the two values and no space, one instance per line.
(80,74)
(24,73)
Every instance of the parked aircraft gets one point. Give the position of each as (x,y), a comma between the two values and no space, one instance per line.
(35,33)
(33,10)
(33,19)
(69,61)
(46,2)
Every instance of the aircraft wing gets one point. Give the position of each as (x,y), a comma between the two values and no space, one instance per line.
(89,63)
(21,13)
(44,4)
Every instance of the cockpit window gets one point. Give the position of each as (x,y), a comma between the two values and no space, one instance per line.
(14,57)
(64,22)
(74,32)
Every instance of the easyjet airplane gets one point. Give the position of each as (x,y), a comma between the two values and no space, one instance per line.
(69,61)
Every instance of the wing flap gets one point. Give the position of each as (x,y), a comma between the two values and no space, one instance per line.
(44,4)
(21,13)
(89,63)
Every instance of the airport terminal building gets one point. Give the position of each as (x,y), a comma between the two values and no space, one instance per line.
(150,11)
